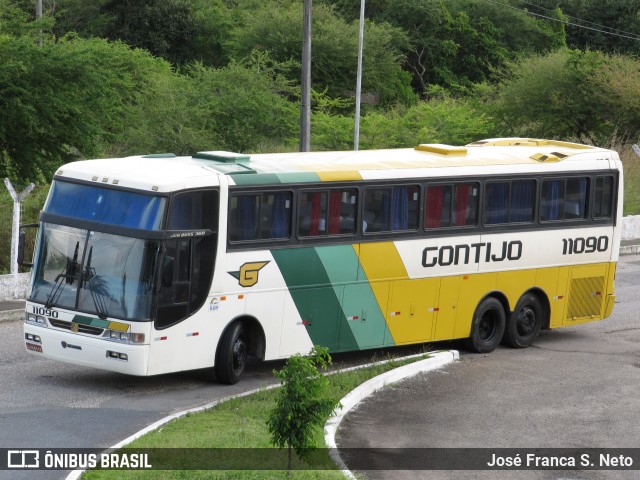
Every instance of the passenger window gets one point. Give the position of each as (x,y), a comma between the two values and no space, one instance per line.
(327,212)
(603,197)
(260,216)
(509,202)
(522,201)
(194,210)
(563,199)
(451,205)
(391,209)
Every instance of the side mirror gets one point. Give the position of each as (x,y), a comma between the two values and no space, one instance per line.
(166,278)
(22,239)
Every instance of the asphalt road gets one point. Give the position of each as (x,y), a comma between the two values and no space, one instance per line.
(577,387)
(46,404)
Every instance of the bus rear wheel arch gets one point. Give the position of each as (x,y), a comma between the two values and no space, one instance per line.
(525,322)
(487,326)
(240,340)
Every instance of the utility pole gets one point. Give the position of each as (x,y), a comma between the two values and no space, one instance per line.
(38,17)
(305,97)
(356,135)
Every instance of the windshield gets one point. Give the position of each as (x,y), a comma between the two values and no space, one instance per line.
(107,206)
(97,273)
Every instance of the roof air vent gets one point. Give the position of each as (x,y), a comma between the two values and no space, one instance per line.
(223,157)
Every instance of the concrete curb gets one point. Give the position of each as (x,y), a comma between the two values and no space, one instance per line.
(630,249)
(75,474)
(437,360)
(11,315)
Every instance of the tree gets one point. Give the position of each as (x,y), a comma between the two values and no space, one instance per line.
(302,404)
(440,119)
(571,94)
(165,28)
(276,27)
(241,108)
(617,89)
(456,43)
(611,26)
(64,100)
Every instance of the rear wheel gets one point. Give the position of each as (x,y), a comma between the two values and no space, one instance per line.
(487,327)
(525,322)
(231,357)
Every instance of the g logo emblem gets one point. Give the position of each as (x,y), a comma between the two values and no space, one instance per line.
(248,274)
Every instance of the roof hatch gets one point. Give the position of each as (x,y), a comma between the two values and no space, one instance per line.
(225,162)
(223,157)
(441,149)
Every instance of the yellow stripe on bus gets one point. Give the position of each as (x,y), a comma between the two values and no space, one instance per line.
(339,176)
(121,327)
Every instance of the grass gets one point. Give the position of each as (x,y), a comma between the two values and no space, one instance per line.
(631,166)
(238,423)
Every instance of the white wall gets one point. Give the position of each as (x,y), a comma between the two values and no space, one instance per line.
(631,227)
(12,290)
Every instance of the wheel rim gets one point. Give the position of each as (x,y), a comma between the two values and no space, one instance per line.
(488,326)
(526,320)
(239,354)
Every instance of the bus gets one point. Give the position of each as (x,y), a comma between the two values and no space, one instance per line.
(154,264)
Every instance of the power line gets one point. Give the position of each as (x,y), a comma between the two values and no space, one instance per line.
(580,19)
(634,37)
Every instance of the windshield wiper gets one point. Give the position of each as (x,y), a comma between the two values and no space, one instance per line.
(97,297)
(67,276)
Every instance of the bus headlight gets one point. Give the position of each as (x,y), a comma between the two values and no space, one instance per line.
(124,337)
(32,338)
(117,355)
(34,319)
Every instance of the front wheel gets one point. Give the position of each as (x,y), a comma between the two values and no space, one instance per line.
(231,356)
(525,322)
(487,327)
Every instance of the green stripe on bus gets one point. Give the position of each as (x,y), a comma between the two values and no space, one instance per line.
(92,321)
(359,306)
(315,298)
(298,177)
(82,319)
(256,179)
(100,323)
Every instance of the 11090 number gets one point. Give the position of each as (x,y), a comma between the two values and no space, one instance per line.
(573,246)
(44,312)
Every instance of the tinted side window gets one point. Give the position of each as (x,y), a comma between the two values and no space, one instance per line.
(194,210)
(509,202)
(603,197)
(563,199)
(327,212)
(260,216)
(451,205)
(391,209)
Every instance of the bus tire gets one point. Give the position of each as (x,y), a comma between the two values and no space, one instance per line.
(524,322)
(231,356)
(487,327)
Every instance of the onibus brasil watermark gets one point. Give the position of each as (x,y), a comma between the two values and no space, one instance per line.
(356,459)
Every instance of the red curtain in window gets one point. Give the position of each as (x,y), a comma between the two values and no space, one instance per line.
(316,208)
(434,207)
(335,197)
(462,203)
